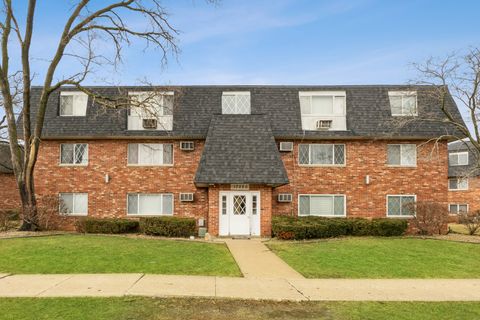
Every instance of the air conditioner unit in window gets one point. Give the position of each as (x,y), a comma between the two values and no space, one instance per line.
(149,123)
(286,146)
(323,124)
(187,145)
(284,197)
(186,197)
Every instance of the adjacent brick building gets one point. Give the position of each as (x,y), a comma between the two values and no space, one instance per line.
(234,156)
(9,197)
(463,178)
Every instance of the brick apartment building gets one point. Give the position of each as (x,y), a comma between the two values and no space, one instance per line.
(463,178)
(9,197)
(233,156)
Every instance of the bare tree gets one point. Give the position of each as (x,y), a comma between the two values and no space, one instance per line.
(89,23)
(457,74)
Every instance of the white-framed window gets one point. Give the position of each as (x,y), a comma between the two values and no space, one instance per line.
(457,208)
(325,205)
(403,103)
(158,204)
(73,204)
(236,102)
(321,154)
(73,104)
(326,107)
(404,155)
(457,183)
(401,205)
(154,107)
(150,154)
(74,154)
(458,158)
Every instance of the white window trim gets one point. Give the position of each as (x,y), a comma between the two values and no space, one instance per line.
(332,94)
(324,165)
(73,214)
(458,205)
(151,165)
(323,195)
(401,151)
(459,153)
(152,214)
(72,93)
(73,164)
(159,93)
(400,195)
(457,184)
(403,94)
(238,93)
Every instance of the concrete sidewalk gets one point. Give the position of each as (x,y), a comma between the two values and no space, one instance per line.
(255,260)
(116,285)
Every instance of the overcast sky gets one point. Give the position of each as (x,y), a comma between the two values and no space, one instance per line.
(283,41)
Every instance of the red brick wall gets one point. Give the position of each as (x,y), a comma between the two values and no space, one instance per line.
(9,197)
(427,180)
(470,196)
(110,157)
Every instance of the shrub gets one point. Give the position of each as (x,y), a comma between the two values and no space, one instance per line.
(470,221)
(47,212)
(112,226)
(168,226)
(8,219)
(430,218)
(289,228)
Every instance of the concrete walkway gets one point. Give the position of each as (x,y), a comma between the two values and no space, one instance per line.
(117,285)
(257,261)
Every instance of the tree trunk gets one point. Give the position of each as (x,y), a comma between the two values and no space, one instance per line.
(29,210)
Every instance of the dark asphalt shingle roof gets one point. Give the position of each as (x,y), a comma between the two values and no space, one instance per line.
(473,168)
(240,149)
(5,158)
(368,113)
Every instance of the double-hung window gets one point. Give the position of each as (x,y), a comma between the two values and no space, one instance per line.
(404,155)
(321,154)
(73,104)
(458,158)
(74,154)
(150,110)
(401,205)
(150,204)
(456,208)
(403,103)
(74,204)
(324,205)
(323,110)
(236,102)
(150,154)
(457,183)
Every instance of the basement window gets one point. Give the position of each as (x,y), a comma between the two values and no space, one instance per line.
(324,205)
(401,205)
(73,204)
(150,204)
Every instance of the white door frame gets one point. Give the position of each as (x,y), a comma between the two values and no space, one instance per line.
(226,214)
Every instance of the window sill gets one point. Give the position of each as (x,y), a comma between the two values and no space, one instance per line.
(74,215)
(73,165)
(322,165)
(400,166)
(322,216)
(457,189)
(149,215)
(149,165)
(400,217)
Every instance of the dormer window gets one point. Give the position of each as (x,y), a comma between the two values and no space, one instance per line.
(403,103)
(150,110)
(323,110)
(73,104)
(236,102)
(458,158)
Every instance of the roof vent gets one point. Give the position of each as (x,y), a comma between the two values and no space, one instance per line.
(284,197)
(323,124)
(187,145)
(149,123)
(286,146)
(186,197)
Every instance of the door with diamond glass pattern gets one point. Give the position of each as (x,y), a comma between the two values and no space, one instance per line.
(239,213)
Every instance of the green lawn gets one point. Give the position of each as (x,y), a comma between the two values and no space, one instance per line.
(381,258)
(111,254)
(203,309)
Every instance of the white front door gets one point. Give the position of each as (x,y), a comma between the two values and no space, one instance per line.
(239,213)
